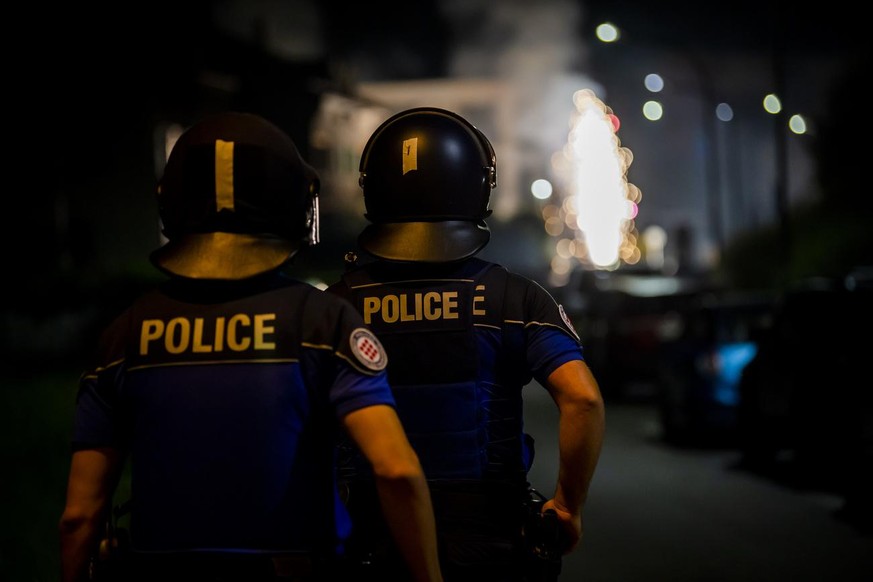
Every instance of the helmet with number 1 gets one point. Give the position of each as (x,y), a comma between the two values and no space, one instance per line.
(236,200)
(427,176)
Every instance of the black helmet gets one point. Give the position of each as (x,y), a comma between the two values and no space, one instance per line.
(427,176)
(236,200)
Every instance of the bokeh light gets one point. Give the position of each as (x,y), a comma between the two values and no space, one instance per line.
(607,32)
(797,124)
(654,82)
(652,110)
(595,220)
(724,112)
(772,104)
(541,189)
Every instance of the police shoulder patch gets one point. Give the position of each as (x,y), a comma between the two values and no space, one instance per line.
(566,319)
(367,349)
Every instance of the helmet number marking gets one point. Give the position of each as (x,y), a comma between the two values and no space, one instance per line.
(410,155)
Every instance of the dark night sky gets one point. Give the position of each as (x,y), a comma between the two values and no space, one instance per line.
(82,63)
(739,24)
(88,83)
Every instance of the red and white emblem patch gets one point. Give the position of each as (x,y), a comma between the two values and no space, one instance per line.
(368,350)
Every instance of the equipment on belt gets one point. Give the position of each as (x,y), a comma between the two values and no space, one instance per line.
(115,562)
(109,562)
(543,541)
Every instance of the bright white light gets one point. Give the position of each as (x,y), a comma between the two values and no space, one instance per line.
(724,112)
(652,110)
(654,82)
(607,32)
(772,104)
(541,189)
(597,209)
(797,124)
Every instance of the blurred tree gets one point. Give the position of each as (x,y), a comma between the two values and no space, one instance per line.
(832,235)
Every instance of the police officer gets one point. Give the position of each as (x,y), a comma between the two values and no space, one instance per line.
(465,336)
(226,387)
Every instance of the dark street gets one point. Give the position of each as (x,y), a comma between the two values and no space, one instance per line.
(656,512)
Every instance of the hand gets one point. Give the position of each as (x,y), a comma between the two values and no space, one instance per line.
(571,524)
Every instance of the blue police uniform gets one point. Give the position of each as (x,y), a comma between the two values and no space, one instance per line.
(227,395)
(464,338)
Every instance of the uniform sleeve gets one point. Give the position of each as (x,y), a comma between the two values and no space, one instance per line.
(548,350)
(550,337)
(96,422)
(361,379)
(352,390)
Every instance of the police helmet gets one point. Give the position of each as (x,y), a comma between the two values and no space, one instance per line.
(236,199)
(427,176)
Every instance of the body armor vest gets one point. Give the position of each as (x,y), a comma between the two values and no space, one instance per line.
(451,365)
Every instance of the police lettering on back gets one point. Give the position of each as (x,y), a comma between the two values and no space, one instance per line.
(419,306)
(238,333)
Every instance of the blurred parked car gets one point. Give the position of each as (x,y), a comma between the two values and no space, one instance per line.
(624,319)
(699,371)
(806,399)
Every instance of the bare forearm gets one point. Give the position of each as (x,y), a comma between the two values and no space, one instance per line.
(580,433)
(77,545)
(93,475)
(580,439)
(402,488)
(407,507)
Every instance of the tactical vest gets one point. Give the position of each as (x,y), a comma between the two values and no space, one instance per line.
(456,366)
(267,348)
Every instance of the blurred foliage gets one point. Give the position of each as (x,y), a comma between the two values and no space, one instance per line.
(37,416)
(821,242)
